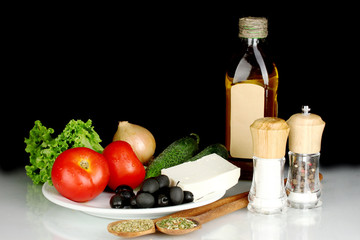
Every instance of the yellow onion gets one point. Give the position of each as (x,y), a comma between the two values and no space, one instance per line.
(141,140)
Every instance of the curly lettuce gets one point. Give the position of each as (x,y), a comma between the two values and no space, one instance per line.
(44,149)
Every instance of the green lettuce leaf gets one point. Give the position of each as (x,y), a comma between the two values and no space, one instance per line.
(40,145)
(79,134)
(44,149)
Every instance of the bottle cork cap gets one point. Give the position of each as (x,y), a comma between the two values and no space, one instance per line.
(253,27)
(305,132)
(269,137)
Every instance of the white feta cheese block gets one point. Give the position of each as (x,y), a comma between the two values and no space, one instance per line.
(203,176)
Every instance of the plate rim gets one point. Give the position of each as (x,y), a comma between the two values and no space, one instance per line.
(53,195)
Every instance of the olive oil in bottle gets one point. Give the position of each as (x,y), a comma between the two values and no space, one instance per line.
(251,87)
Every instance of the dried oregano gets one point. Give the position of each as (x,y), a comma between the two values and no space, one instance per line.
(176,223)
(137,225)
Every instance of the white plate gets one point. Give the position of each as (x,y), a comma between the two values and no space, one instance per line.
(100,206)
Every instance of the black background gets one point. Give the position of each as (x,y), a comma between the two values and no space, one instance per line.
(163,67)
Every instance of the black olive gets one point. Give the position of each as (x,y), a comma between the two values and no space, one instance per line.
(165,191)
(126,196)
(163,181)
(122,188)
(133,202)
(176,195)
(117,201)
(108,189)
(145,200)
(188,197)
(150,185)
(162,200)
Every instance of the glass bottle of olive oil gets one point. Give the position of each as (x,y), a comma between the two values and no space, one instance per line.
(251,87)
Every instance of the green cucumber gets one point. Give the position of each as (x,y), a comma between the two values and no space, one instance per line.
(176,153)
(217,148)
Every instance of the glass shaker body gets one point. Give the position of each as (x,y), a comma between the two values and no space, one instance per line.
(303,185)
(267,194)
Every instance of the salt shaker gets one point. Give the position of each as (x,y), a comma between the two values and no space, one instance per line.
(303,184)
(267,193)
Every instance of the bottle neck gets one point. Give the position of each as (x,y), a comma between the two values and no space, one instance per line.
(252,42)
(254,45)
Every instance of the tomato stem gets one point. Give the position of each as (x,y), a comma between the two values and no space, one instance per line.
(84,164)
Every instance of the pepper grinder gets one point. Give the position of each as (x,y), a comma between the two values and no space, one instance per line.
(267,193)
(303,186)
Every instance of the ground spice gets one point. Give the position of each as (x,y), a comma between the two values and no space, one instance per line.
(176,223)
(137,225)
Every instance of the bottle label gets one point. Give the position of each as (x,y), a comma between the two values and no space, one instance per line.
(247,105)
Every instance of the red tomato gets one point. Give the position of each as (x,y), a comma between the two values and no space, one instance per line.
(125,167)
(80,174)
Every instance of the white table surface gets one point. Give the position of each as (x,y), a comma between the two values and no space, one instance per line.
(27,214)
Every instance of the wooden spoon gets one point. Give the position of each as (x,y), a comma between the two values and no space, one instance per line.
(130,234)
(207,216)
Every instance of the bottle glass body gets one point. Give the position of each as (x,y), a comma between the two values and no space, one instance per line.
(251,84)
(303,185)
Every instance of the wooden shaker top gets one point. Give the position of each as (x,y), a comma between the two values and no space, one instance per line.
(269,137)
(305,132)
